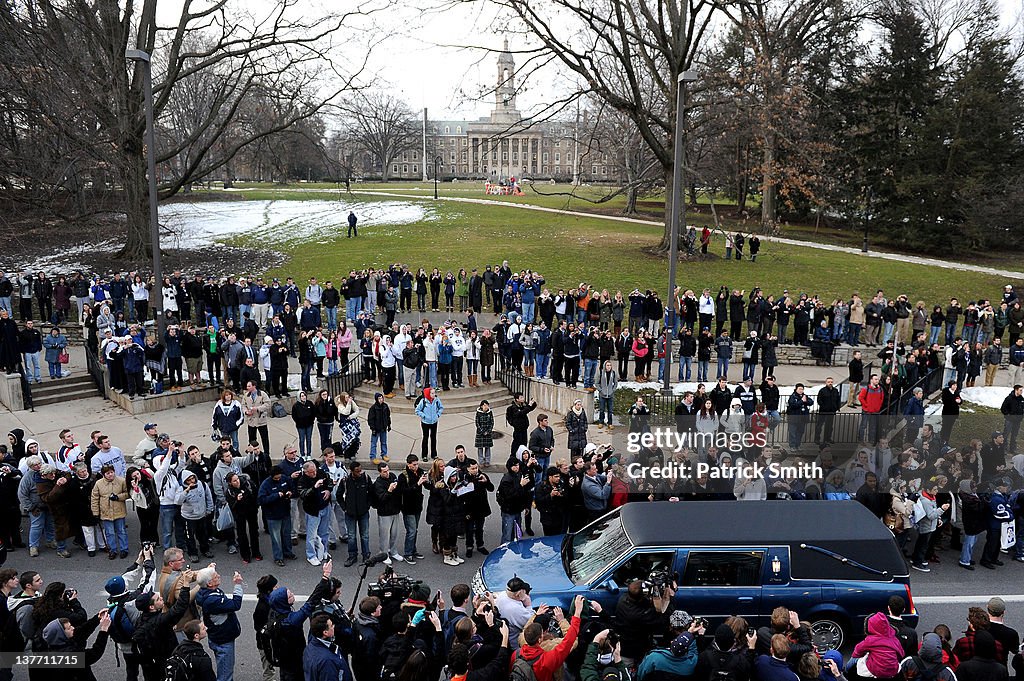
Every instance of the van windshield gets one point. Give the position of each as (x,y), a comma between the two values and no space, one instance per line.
(594,549)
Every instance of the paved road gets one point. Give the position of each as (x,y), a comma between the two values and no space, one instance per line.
(941,596)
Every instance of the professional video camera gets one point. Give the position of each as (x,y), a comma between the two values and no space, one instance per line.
(392,587)
(656,583)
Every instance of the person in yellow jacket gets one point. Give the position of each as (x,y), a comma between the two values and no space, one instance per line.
(109,495)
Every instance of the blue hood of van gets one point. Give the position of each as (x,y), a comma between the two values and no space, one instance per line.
(537,561)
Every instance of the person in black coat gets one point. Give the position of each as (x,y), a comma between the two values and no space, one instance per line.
(829,403)
(478,507)
(518,416)
(355,495)
(154,632)
(410,490)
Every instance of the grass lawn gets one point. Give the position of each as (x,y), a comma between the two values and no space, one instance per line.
(584,199)
(567,250)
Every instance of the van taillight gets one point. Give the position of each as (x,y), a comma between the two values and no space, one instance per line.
(911,610)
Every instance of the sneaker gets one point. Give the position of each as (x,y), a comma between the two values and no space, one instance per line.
(279,563)
(418,556)
(450,560)
(313,561)
(966,567)
(51,544)
(92,554)
(409,559)
(458,561)
(33,551)
(397,557)
(920,568)
(1019,559)
(232,549)
(64,553)
(351,561)
(387,561)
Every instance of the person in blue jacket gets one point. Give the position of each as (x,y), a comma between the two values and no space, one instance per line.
(222,626)
(290,634)
(275,498)
(322,660)
(429,410)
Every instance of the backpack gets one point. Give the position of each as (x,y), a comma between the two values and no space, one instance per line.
(121,627)
(921,672)
(722,669)
(178,668)
(522,670)
(269,638)
(277,411)
(449,628)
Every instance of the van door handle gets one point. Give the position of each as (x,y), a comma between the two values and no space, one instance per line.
(745,599)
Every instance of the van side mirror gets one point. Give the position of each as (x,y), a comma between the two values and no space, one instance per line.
(608,586)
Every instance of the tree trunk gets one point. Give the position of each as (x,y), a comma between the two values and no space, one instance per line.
(137,244)
(631,197)
(768,186)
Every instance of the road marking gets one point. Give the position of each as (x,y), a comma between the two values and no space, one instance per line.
(938,600)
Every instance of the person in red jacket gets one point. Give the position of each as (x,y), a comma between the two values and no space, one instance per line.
(546,662)
(871,397)
(620,491)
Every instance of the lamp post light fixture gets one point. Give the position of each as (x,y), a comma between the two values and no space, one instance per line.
(154,226)
(678,217)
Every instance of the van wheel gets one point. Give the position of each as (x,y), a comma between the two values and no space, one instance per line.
(827,635)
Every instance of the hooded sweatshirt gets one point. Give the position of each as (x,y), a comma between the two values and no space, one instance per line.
(884,648)
(196,503)
(18,447)
(928,661)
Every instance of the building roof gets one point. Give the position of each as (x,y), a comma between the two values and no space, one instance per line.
(846,528)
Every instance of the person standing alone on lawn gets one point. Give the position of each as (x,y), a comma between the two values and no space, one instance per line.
(352,231)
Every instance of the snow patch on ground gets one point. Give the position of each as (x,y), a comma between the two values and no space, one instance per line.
(199,224)
(987,397)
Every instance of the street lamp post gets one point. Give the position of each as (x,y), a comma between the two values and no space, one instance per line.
(678,216)
(437,164)
(156,298)
(867,212)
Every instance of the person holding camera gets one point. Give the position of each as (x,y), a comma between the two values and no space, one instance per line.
(552,503)
(314,489)
(679,658)
(478,507)
(462,657)
(603,661)
(220,618)
(154,632)
(642,612)
(787,623)
(62,635)
(515,493)
(196,504)
(544,663)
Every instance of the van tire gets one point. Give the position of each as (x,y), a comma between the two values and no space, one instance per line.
(828,633)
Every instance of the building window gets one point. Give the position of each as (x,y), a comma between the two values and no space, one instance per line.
(515,156)
(545,157)
(405,169)
(394,169)
(504,156)
(447,130)
(494,156)
(453,156)
(604,170)
(568,158)
(465,169)
(465,141)
(558,143)
(458,130)
(593,170)
(415,169)
(463,156)
(558,157)
(545,170)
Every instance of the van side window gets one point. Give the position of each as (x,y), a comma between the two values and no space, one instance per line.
(642,565)
(723,568)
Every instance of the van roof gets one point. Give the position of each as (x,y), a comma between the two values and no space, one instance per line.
(846,528)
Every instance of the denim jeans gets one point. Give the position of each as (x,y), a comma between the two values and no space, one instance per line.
(318,532)
(702,371)
(387,533)
(224,653)
(326,432)
(723,367)
(358,530)
(685,363)
(32,366)
(332,317)
(116,534)
(969,541)
(606,408)
(661,370)
(888,328)
(352,307)
(241,310)
(749,369)
(5,304)
(528,309)
(508,523)
(432,374)
(852,334)
(382,437)
(39,525)
(542,364)
(305,441)
(950,332)
(280,536)
(412,525)
(839,329)
(172,527)
(589,370)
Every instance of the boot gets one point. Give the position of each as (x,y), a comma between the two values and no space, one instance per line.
(449,559)
(435,548)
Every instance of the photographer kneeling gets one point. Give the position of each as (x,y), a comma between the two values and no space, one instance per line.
(642,612)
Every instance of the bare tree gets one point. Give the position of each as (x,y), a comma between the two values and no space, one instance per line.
(384,127)
(626,53)
(63,64)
